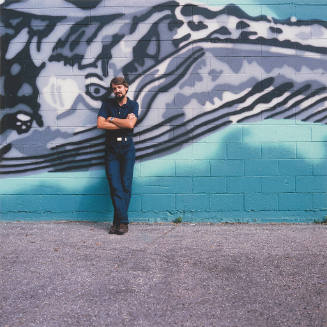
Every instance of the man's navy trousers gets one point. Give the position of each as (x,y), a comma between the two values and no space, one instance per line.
(120,159)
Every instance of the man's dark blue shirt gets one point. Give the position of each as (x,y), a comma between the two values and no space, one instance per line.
(110,108)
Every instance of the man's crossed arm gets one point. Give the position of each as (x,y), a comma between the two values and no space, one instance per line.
(112,123)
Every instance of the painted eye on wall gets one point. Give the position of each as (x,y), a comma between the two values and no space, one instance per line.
(96,91)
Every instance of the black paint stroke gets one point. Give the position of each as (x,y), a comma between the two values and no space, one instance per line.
(85,4)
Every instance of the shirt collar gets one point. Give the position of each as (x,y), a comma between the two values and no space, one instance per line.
(121,106)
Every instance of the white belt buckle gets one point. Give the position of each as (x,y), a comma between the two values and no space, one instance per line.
(119,139)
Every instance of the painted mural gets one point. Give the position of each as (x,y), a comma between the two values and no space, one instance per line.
(194,69)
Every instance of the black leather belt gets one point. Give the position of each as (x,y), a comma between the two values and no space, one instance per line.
(119,139)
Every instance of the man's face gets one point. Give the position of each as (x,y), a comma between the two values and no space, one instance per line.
(119,90)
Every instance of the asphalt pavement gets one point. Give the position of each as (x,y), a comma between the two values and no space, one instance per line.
(58,274)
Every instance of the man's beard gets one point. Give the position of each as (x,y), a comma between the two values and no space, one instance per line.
(120,96)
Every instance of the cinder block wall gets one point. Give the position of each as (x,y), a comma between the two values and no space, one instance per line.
(232,120)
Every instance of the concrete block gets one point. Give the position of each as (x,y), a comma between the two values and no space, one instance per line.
(319,168)
(90,202)
(192,168)
(227,167)
(278,184)
(184,167)
(279,150)
(261,201)
(185,152)
(158,167)
(44,186)
(81,118)
(295,201)
(226,202)
(243,151)
(309,12)
(308,184)
(295,167)
(280,133)
(319,201)
(243,184)
(193,202)
(54,203)
(160,185)
(319,133)
(209,185)
(262,167)
(158,202)
(19,203)
(233,133)
(311,150)
(209,150)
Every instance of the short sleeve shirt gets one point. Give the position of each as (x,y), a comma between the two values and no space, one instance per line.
(110,108)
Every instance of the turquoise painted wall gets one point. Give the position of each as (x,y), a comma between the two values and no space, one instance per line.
(255,168)
(228,176)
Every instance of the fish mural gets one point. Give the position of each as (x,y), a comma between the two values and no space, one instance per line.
(194,69)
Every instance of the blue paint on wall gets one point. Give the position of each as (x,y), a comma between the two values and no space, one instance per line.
(197,183)
(301,9)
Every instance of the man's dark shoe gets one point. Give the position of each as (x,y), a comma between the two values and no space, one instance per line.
(122,229)
(113,229)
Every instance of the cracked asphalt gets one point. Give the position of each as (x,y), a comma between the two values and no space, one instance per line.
(222,275)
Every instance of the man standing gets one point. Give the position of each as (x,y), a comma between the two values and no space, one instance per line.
(118,117)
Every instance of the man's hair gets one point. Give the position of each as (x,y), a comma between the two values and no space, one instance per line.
(119,81)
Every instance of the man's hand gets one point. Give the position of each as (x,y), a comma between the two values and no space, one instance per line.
(131,116)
